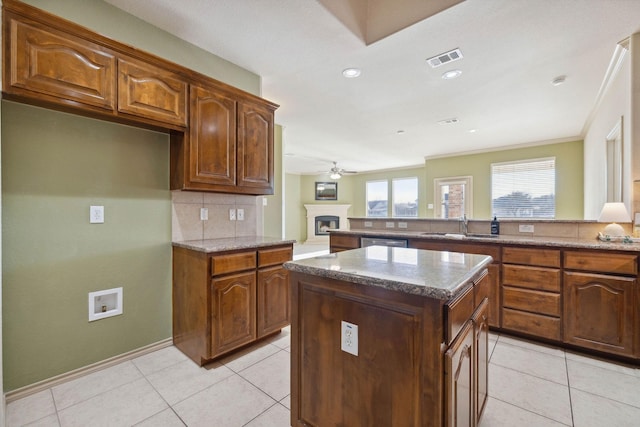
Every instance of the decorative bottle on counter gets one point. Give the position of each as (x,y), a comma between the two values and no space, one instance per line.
(495,226)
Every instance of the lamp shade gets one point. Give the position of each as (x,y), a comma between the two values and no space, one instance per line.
(614,212)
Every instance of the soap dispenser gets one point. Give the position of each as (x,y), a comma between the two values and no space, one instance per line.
(495,226)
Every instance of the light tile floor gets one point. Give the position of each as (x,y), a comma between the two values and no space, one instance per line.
(530,385)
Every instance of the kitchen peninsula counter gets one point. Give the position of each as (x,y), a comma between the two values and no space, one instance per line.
(413,350)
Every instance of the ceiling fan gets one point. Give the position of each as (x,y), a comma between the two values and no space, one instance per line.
(336,173)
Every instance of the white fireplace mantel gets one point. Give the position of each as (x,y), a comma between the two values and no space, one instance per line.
(325,209)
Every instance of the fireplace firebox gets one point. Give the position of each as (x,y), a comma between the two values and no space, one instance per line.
(324,223)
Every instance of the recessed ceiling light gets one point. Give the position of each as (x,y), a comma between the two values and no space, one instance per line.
(451,74)
(351,73)
(400,132)
(558,80)
(473,130)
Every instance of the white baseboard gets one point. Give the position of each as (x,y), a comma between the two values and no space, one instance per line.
(85,370)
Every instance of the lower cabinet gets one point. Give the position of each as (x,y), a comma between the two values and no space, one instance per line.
(233,300)
(273,300)
(224,301)
(467,367)
(459,388)
(598,312)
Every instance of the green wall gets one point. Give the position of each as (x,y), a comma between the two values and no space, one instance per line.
(294,215)
(272,212)
(54,166)
(569,176)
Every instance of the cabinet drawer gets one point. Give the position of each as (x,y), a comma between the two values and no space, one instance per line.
(526,256)
(533,301)
(275,256)
(530,323)
(457,313)
(546,279)
(222,264)
(343,241)
(601,262)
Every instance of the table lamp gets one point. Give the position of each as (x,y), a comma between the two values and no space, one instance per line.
(614,213)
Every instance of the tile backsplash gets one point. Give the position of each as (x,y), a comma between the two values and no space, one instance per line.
(187,225)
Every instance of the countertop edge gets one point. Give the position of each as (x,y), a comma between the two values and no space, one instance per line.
(230,244)
(393,285)
(501,239)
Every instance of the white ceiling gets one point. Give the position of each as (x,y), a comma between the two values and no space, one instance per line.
(512,50)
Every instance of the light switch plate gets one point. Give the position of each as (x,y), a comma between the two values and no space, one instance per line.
(96,214)
(240,214)
(525,228)
(402,225)
(232,214)
(204,214)
(349,338)
(390,224)
(368,224)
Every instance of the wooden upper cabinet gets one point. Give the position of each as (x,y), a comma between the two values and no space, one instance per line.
(255,147)
(212,138)
(151,92)
(56,67)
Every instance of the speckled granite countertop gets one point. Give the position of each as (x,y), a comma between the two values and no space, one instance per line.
(559,242)
(434,274)
(232,243)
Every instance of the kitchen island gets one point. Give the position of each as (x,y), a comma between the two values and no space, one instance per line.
(387,337)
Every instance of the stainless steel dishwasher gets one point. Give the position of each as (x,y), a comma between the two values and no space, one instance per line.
(382,241)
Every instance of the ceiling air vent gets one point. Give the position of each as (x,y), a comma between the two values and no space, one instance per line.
(445,58)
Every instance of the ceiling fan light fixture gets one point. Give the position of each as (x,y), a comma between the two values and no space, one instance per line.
(335,175)
(451,74)
(351,73)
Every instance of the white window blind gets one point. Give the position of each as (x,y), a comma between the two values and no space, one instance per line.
(524,189)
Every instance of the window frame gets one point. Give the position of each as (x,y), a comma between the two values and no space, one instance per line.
(393,202)
(366,197)
(467,180)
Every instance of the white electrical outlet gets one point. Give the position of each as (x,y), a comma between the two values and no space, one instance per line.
(430,206)
(240,214)
(525,228)
(96,214)
(402,225)
(349,338)
(204,214)
(264,201)
(232,214)
(368,224)
(390,224)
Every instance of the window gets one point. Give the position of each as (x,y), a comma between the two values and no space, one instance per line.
(524,189)
(405,197)
(377,198)
(453,197)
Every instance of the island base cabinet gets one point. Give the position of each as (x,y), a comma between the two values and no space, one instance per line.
(395,379)
(459,380)
(599,312)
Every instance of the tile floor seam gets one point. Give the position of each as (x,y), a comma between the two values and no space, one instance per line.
(103,391)
(261,390)
(529,374)
(254,363)
(260,414)
(161,397)
(532,412)
(202,390)
(521,347)
(604,367)
(607,398)
(566,371)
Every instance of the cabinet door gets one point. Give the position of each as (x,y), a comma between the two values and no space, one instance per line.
(481,357)
(212,138)
(273,300)
(598,312)
(233,320)
(151,92)
(459,381)
(64,68)
(255,147)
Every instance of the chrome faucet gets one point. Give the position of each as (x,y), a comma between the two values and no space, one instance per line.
(464,224)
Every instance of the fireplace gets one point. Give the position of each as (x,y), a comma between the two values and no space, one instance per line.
(324,223)
(322,218)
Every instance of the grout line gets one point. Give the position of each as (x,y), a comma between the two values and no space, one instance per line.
(566,369)
(530,411)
